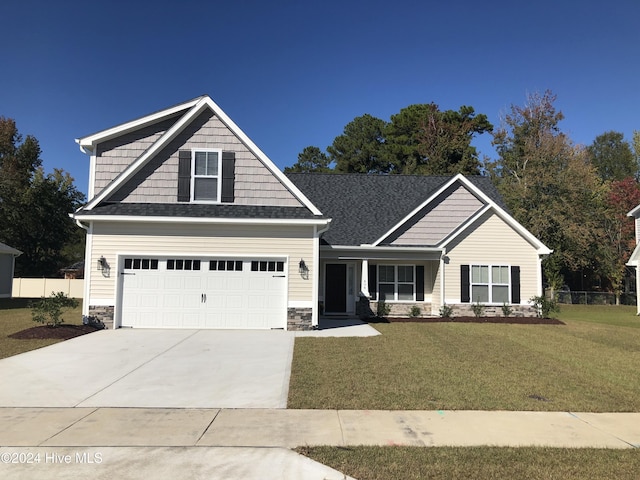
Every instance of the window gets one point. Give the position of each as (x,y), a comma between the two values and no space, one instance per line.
(182,264)
(396,282)
(264,266)
(141,263)
(226,265)
(206,177)
(489,284)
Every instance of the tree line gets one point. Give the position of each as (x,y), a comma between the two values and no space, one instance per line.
(35,207)
(573,198)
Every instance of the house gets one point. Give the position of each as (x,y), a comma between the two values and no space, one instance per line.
(190,225)
(72,272)
(7,265)
(635,255)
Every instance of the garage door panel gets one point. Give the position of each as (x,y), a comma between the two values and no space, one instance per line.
(230,295)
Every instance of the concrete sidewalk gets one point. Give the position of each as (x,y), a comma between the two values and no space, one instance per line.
(159,427)
(222,444)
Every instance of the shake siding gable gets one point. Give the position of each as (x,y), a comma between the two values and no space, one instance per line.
(113,156)
(440,218)
(490,241)
(111,239)
(157,181)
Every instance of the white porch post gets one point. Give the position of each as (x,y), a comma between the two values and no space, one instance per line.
(364,279)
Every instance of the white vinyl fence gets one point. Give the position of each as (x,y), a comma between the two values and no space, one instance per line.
(43,287)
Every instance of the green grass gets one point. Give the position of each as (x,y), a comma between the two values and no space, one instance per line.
(490,463)
(591,364)
(16,316)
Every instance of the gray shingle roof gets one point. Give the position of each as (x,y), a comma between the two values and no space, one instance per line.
(190,210)
(364,207)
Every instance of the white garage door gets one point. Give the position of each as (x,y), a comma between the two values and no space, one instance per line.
(191,292)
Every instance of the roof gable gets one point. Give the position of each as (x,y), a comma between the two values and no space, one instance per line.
(373,209)
(185,114)
(444,213)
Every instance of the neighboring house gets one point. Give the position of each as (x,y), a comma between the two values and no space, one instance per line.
(72,272)
(190,225)
(7,266)
(635,256)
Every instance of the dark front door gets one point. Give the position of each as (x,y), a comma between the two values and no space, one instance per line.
(335,289)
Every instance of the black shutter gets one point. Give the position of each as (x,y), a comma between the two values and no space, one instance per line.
(228,176)
(515,285)
(184,176)
(420,283)
(465,294)
(373,282)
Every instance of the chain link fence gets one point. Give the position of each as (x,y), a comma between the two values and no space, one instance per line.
(595,298)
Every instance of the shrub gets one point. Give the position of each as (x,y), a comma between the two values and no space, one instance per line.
(48,310)
(446,311)
(382,309)
(415,311)
(506,310)
(544,307)
(478,309)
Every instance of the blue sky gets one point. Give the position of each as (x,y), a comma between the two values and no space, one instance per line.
(293,74)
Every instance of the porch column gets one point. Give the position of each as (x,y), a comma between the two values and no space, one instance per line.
(364,279)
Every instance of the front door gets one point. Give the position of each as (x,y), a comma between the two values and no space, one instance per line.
(335,291)
(339,288)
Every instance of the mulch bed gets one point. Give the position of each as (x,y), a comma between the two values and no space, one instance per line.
(506,320)
(62,332)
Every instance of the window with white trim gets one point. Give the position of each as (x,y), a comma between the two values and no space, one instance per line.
(490,284)
(206,178)
(396,282)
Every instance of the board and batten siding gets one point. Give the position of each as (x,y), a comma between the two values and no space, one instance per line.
(489,241)
(451,209)
(109,240)
(157,181)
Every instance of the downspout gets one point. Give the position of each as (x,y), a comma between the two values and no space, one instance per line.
(87,264)
(442,280)
(316,271)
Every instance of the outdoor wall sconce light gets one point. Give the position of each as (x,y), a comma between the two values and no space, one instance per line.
(102,264)
(302,267)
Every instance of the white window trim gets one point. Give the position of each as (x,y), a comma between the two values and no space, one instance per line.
(490,284)
(194,176)
(395,282)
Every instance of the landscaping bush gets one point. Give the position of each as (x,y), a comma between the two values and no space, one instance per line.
(446,311)
(382,309)
(48,310)
(478,309)
(545,307)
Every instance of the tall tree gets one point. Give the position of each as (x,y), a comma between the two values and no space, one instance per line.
(421,139)
(548,184)
(618,232)
(311,159)
(612,156)
(34,206)
(360,149)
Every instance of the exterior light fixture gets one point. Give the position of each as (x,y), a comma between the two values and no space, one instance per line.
(102,264)
(302,267)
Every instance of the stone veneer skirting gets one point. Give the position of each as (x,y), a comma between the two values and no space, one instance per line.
(299,319)
(466,310)
(102,313)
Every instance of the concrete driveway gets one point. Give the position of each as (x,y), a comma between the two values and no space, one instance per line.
(153,368)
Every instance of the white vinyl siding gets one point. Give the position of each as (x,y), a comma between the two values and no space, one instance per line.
(112,239)
(489,241)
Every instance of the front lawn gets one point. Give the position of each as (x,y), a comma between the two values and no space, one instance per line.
(15,316)
(591,364)
(490,463)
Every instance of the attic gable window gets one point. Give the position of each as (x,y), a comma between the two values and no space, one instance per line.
(205,181)
(206,175)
